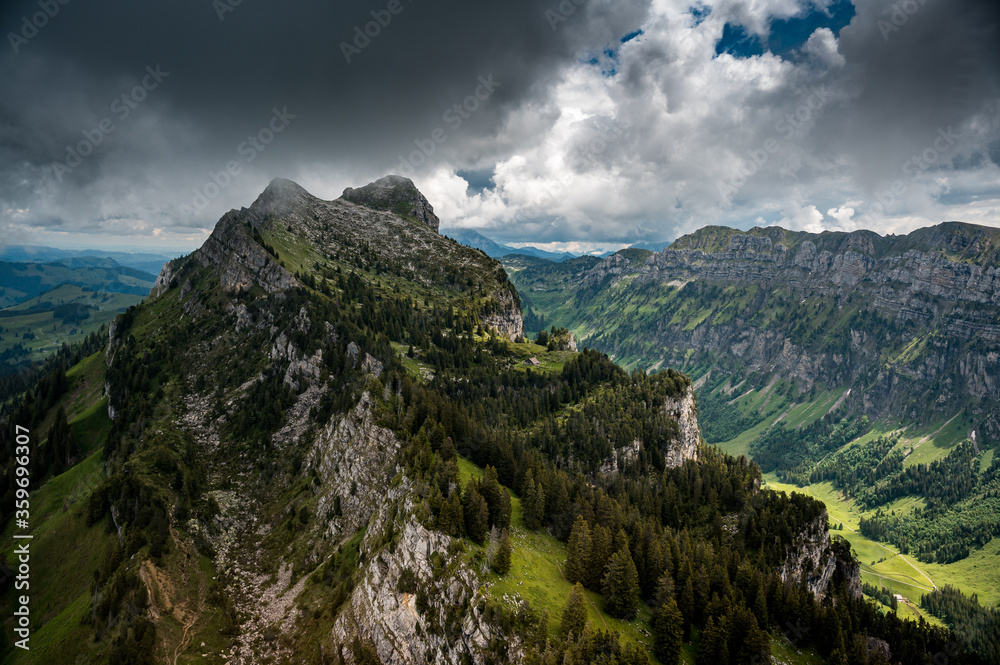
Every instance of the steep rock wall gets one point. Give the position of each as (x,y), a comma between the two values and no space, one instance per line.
(940,289)
(814,558)
(685,411)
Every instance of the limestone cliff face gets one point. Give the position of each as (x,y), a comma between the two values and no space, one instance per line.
(504,314)
(244,263)
(409,604)
(814,558)
(922,313)
(685,410)
(356,460)
(239,261)
(416,598)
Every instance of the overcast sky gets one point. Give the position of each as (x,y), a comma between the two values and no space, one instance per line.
(576,124)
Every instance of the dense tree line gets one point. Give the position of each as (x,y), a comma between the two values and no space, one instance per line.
(956,519)
(874,475)
(977,626)
(881,594)
(793,451)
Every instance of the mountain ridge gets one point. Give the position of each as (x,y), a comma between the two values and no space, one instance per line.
(945,277)
(324,439)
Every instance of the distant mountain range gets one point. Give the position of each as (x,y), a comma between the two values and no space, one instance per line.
(20,281)
(652,245)
(495,250)
(150,263)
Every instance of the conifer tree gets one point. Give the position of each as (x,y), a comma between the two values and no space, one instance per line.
(529,502)
(713,649)
(685,601)
(497,499)
(669,632)
(574,616)
(501,559)
(600,553)
(621,586)
(477,514)
(451,520)
(578,552)
(60,448)
(747,641)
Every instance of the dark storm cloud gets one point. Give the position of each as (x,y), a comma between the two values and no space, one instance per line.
(230,64)
(921,66)
(249,91)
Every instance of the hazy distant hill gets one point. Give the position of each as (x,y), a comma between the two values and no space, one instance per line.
(147,262)
(21,281)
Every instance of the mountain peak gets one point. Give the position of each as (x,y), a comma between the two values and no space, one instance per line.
(397,194)
(279,194)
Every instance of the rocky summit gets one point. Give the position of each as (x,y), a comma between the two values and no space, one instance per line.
(394,193)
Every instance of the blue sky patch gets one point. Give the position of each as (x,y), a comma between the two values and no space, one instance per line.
(607,60)
(630,36)
(737,42)
(479,179)
(700,13)
(785,36)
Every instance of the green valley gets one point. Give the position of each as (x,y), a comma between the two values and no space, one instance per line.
(825,385)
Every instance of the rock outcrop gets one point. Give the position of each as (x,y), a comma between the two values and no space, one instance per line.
(685,411)
(405,605)
(240,261)
(814,559)
(397,194)
(415,601)
(504,315)
(355,459)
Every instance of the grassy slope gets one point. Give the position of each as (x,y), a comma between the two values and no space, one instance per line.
(71,293)
(51,333)
(536,575)
(64,551)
